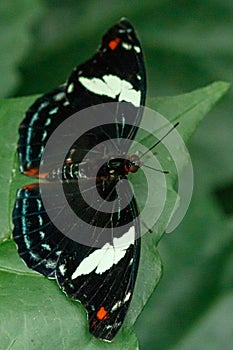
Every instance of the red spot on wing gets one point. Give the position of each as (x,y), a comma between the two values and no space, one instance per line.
(102,314)
(114,43)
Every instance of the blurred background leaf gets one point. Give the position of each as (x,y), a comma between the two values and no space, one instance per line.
(187,45)
(16,20)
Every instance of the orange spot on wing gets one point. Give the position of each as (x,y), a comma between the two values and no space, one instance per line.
(102,314)
(30,186)
(114,43)
(35,173)
(32,172)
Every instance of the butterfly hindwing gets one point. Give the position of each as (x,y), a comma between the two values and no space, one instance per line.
(105,291)
(39,241)
(103,278)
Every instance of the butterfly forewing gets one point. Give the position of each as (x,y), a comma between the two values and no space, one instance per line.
(41,119)
(115,73)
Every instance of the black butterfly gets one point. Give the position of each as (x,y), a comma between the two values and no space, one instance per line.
(101,277)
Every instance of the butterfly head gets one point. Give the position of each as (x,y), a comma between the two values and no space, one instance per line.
(132,164)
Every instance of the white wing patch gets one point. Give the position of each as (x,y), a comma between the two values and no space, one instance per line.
(104,258)
(120,302)
(112,86)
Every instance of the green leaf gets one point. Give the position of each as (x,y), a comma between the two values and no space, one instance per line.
(198,273)
(36,314)
(11,114)
(189,108)
(36,303)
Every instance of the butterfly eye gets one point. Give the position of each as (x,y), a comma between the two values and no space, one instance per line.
(131,166)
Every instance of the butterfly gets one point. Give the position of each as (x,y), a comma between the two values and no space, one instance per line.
(101,276)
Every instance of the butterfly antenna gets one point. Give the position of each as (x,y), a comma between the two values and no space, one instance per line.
(146,226)
(159,170)
(160,140)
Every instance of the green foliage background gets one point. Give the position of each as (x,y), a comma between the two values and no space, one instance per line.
(187,45)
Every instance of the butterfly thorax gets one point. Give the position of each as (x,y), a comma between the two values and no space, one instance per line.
(118,168)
